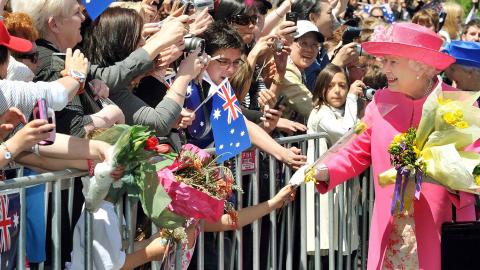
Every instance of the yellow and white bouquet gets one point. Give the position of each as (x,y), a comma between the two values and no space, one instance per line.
(450,122)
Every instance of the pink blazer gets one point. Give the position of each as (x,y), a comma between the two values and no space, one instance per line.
(370,148)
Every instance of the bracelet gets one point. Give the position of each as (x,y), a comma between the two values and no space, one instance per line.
(277,82)
(91,168)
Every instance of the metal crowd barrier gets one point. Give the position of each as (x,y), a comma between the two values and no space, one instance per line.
(281,252)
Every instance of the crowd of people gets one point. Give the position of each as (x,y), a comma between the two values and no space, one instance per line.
(302,66)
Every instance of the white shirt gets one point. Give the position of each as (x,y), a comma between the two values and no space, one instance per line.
(23,95)
(335,122)
(107,253)
(18,71)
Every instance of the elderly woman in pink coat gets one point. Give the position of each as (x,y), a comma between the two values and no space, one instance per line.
(411,239)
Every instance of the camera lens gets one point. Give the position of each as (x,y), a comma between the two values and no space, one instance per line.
(368,93)
(191,43)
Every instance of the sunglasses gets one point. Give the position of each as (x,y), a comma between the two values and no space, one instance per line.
(30,56)
(244,19)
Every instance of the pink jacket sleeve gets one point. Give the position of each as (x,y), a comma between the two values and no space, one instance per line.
(349,162)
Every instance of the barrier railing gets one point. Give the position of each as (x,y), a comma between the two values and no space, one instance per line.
(283,234)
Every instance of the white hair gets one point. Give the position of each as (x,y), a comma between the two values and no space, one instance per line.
(41,11)
(423,70)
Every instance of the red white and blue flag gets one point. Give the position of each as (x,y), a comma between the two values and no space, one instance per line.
(9,227)
(228,125)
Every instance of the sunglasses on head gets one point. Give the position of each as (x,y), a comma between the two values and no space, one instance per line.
(30,56)
(244,19)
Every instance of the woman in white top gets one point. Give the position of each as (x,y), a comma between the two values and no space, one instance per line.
(335,112)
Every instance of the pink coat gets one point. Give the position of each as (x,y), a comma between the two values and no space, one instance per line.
(370,148)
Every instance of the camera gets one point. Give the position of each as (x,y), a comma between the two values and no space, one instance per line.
(42,111)
(278,45)
(368,93)
(193,42)
(350,34)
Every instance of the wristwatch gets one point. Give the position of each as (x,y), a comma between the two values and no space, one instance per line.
(80,77)
(7,155)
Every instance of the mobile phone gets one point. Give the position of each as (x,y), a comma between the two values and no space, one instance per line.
(292,17)
(60,55)
(42,111)
(279,102)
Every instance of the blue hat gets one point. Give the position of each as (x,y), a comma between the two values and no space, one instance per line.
(466,53)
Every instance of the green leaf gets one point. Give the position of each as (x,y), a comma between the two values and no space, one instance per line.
(170,220)
(153,197)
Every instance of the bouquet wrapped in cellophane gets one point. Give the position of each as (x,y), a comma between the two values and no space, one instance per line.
(435,151)
(133,146)
(198,186)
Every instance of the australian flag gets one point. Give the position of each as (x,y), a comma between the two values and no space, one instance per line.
(200,127)
(9,227)
(229,130)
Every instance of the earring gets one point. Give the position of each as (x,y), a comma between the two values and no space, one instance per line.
(418,77)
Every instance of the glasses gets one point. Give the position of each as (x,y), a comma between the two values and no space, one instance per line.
(225,63)
(378,16)
(244,19)
(30,56)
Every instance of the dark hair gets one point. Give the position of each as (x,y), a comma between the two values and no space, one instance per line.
(323,81)
(375,78)
(306,7)
(220,35)
(3,55)
(229,8)
(474,22)
(113,36)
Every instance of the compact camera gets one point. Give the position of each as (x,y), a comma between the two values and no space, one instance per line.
(368,93)
(193,42)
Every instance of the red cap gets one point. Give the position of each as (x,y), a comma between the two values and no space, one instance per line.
(13,43)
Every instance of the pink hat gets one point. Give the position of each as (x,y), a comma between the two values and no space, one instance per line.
(411,41)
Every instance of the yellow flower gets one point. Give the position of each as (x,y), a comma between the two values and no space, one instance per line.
(442,101)
(399,138)
(361,127)
(417,152)
(309,176)
(459,114)
(477,180)
(461,124)
(450,118)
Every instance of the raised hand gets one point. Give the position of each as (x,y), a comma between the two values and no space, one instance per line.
(11,118)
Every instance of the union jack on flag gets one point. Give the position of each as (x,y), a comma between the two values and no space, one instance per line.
(231,103)
(9,226)
(230,132)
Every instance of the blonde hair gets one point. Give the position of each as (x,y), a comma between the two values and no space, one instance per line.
(41,11)
(242,80)
(451,26)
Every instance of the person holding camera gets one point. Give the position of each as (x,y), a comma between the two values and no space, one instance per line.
(99,43)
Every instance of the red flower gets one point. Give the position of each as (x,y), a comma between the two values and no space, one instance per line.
(151,143)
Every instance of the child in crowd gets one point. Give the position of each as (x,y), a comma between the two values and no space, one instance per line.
(335,112)
(335,103)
